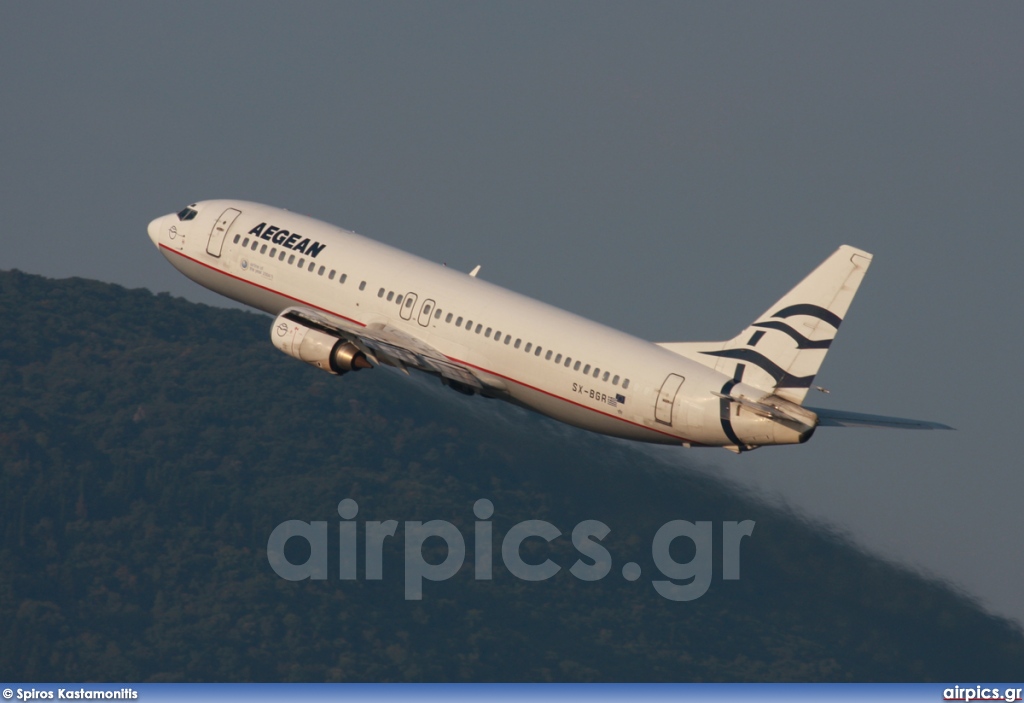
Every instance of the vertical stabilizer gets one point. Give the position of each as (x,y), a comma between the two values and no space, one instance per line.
(783,350)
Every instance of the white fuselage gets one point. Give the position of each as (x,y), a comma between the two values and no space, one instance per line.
(635,391)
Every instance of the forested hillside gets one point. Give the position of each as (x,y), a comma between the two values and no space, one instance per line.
(149,447)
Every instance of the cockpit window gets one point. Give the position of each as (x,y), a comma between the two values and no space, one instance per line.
(187,214)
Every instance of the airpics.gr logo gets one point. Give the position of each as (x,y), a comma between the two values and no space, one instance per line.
(979,693)
(680,581)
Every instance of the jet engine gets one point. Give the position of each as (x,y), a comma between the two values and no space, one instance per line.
(317,347)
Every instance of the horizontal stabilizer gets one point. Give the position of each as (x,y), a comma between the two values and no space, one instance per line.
(775,408)
(838,418)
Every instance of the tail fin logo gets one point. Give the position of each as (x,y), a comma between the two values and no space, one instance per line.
(783,379)
(802,342)
(783,350)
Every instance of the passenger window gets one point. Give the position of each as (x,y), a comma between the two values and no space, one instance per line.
(576,366)
(344,276)
(558,358)
(255,244)
(291,259)
(458,321)
(312,265)
(263,249)
(597,372)
(237,237)
(437,314)
(426,309)
(615,380)
(398,299)
(537,353)
(321,271)
(529,345)
(478,328)
(605,376)
(497,336)
(362,285)
(508,338)
(273,252)
(283,252)
(391,295)
(330,276)
(469,324)
(586,369)
(625,384)
(487,333)
(449,317)
(380,293)
(302,262)
(547,357)
(409,302)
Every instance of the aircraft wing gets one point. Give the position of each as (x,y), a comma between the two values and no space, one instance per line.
(389,345)
(839,418)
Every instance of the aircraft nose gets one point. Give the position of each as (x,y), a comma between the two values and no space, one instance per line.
(154,230)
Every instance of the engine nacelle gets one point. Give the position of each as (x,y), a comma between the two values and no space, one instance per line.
(317,347)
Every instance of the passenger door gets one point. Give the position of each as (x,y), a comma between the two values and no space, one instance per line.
(220,230)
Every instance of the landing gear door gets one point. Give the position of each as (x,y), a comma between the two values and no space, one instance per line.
(667,399)
(220,230)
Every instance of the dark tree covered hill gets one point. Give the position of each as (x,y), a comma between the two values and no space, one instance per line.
(149,447)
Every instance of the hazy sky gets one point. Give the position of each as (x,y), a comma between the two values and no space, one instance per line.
(670,169)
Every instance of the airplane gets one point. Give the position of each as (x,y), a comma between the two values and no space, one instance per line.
(343,302)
